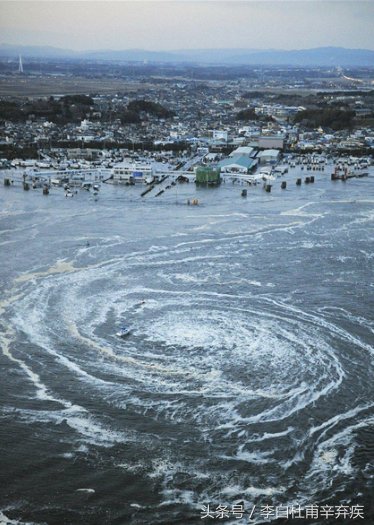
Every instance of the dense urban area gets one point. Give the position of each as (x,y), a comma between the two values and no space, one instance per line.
(167,112)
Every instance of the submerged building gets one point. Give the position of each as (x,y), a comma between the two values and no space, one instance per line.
(207,176)
(132,173)
(241,164)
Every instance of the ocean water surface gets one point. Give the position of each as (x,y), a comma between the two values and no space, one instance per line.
(247,378)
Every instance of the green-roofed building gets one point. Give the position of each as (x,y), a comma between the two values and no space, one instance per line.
(206,176)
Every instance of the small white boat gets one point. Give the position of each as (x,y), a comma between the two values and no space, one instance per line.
(123,331)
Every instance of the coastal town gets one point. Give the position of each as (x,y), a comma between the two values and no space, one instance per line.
(152,122)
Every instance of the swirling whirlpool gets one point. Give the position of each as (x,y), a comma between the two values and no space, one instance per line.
(227,382)
(234,385)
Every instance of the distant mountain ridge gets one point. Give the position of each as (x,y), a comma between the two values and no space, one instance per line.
(9,51)
(321,56)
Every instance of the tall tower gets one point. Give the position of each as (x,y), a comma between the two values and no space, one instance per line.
(20,66)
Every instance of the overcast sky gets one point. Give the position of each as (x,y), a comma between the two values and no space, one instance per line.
(177,24)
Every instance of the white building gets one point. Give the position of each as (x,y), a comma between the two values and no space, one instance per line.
(131,173)
(220,135)
(243,150)
(269,156)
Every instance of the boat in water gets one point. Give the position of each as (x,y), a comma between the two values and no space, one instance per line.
(123,331)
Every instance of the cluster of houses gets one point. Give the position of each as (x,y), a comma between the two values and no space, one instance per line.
(205,123)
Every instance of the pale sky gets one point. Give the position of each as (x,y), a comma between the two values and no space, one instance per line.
(192,24)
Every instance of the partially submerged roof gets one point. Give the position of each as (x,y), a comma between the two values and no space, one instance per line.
(242,161)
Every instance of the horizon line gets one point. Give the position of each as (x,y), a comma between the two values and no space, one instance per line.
(175,50)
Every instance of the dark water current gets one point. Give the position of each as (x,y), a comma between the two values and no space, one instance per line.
(247,378)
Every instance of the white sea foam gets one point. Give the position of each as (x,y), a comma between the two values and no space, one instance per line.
(237,490)
(59,267)
(177,496)
(333,456)
(87,427)
(41,389)
(257,458)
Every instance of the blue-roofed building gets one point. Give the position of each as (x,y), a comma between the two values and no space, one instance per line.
(237,164)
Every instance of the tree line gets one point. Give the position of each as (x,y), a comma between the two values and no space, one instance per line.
(75,108)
